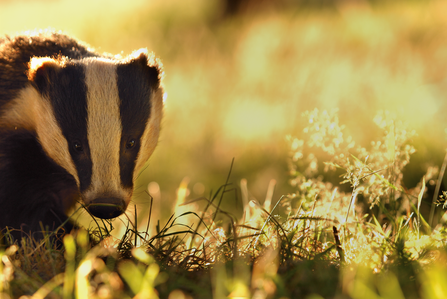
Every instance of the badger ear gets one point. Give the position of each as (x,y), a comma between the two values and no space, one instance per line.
(152,65)
(42,71)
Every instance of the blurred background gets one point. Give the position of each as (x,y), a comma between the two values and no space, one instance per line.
(240,73)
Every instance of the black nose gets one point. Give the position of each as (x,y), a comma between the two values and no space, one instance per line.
(107,207)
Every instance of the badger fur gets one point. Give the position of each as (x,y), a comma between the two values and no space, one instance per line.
(74,126)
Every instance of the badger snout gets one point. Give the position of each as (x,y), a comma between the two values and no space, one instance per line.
(107,207)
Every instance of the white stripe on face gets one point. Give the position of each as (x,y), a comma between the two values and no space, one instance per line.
(151,132)
(104,130)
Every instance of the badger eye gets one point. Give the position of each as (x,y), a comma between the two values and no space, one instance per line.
(130,144)
(78,146)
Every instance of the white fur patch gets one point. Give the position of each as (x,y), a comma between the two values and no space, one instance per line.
(104,130)
(19,113)
(151,132)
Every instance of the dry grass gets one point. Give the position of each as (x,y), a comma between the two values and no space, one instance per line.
(318,241)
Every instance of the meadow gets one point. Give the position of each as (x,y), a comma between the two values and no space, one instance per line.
(302,155)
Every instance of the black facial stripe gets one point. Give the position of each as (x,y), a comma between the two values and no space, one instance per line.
(68,96)
(135,94)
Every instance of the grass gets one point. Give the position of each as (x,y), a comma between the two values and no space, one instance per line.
(369,242)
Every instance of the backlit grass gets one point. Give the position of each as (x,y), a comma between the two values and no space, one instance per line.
(318,242)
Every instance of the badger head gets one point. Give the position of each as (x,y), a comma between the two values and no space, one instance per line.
(99,119)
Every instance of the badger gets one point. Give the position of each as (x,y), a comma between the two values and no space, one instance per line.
(75,126)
